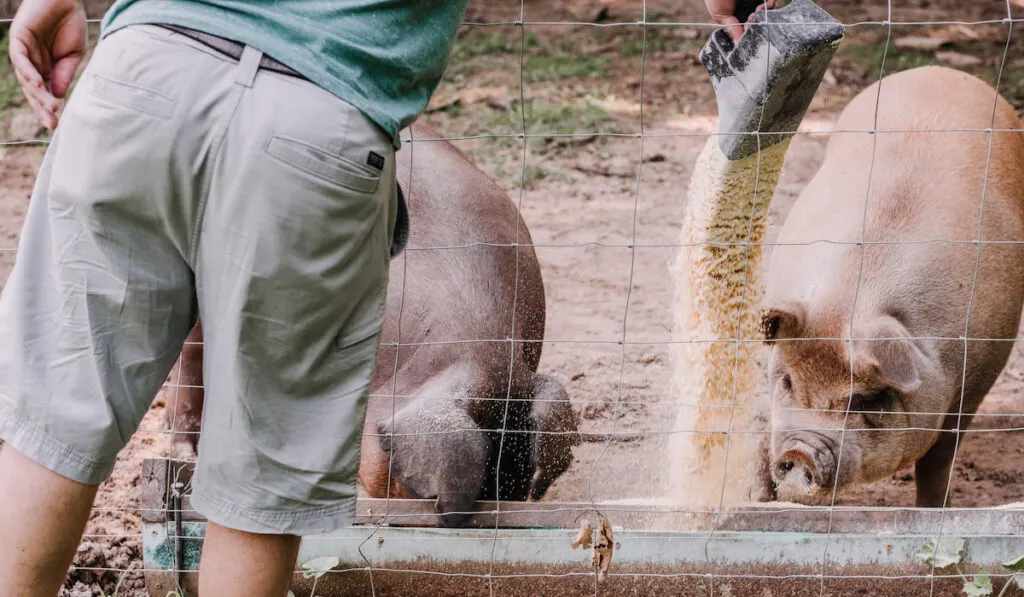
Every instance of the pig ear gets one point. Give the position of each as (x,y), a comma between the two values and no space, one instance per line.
(782,321)
(888,355)
(437,452)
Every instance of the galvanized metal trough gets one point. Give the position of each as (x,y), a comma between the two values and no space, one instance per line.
(393,548)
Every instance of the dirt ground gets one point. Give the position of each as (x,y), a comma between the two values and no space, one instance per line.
(585,212)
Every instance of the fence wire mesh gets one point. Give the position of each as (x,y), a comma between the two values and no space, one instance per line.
(590,116)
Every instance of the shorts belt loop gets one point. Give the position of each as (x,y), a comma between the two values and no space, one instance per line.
(248,66)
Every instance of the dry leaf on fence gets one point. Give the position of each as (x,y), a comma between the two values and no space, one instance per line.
(602,558)
(585,536)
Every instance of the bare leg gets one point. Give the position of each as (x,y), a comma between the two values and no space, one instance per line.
(42,518)
(235,563)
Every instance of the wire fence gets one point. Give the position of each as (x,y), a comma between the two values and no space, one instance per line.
(617,371)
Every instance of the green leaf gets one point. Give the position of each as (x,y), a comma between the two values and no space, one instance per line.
(290,594)
(1015,565)
(978,586)
(948,552)
(317,567)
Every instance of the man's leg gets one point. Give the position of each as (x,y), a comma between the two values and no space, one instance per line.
(246,564)
(101,297)
(42,517)
(291,279)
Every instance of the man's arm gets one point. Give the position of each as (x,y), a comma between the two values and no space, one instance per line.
(47,44)
(723,11)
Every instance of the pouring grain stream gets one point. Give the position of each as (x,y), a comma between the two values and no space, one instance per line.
(763,86)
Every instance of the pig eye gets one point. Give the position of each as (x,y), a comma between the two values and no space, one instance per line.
(868,402)
(787,383)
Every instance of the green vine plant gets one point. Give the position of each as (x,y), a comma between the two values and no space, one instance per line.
(948,553)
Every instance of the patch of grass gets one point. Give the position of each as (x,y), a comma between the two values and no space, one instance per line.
(565,44)
(479,49)
(499,151)
(554,118)
(868,57)
(633,47)
(533,174)
(480,43)
(506,168)
(564,65)
(483,42)
(1012,87)
(659,39)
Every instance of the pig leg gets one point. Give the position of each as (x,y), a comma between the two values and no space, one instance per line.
(184,410)
(557,424)
(932,472)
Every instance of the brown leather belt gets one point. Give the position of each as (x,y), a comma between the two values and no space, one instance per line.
(230,48)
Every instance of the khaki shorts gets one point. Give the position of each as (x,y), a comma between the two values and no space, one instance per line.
(181,182)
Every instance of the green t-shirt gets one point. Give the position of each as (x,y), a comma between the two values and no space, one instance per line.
(385,57)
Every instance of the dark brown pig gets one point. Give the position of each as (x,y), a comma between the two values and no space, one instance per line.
(457,295)
(898,276)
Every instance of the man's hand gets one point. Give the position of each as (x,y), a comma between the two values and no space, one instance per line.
(47,43)
(723,13)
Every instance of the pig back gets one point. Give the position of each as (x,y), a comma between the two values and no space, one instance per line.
(889,224)
(460,280)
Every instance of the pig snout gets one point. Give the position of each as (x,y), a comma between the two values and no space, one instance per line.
(810,463)
(800,467)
